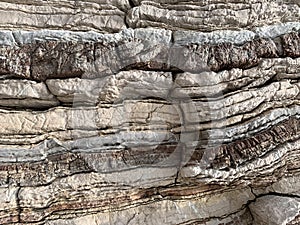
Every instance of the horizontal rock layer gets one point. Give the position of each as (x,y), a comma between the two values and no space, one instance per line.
(103,15)
(149,49)
(211,15)
(112,16)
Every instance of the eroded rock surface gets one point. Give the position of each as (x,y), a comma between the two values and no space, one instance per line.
(138,112)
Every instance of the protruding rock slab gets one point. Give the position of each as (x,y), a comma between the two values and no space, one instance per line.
(211,15)
(275,210)
(103,15)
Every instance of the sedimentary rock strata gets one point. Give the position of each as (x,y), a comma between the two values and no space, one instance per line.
(211,15)
(106,16)
(138,112)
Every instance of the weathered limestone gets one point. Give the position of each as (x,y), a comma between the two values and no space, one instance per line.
(284,210)
(25,94)
(211,15)
(142,112)
(149,49)
(105,16)
(112,89)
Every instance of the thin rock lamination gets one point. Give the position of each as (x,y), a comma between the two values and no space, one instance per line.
(211,15)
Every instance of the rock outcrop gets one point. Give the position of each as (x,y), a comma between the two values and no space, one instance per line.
(139,112)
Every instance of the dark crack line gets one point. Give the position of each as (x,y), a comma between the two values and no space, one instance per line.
(19,208)
(131,3)
(272,193)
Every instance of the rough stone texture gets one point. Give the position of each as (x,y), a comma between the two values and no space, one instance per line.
(139,112)
(100,15)
(283,210)
(211,15)
(150,49)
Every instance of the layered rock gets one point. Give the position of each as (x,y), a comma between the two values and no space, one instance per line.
(103,15)
(114,120)
(211,15)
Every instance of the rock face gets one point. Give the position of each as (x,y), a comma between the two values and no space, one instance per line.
(139,112)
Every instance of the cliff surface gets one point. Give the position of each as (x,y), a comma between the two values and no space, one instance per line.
(144,112)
